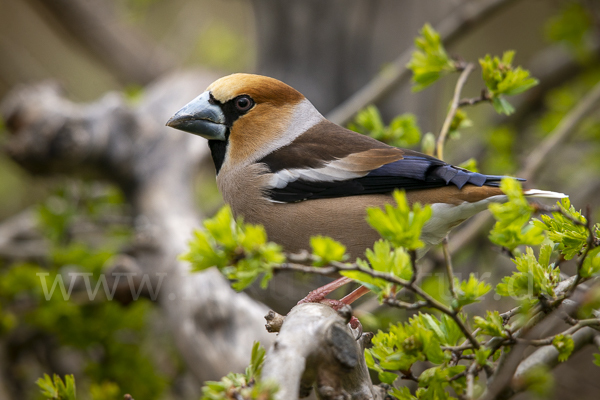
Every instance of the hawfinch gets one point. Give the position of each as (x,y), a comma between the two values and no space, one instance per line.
(281,164)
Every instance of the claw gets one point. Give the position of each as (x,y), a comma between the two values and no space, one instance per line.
(355,324)
(353,321)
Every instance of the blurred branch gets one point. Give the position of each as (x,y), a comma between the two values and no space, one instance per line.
(19,238)
(452,28)
(122,50)
(558,136)
(510,371)
(17,226)
(544,357)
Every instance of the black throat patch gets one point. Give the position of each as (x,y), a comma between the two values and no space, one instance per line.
(218,148)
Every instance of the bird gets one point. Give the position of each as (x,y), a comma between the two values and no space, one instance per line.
(280,163)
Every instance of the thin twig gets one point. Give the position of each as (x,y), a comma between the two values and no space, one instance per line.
(471,372)
(405,305)
(462,79)
(506,316)
(413,265)
(484,97)
(448,263)
(547,341)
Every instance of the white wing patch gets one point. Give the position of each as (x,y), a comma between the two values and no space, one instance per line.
(544,194)
(333,171)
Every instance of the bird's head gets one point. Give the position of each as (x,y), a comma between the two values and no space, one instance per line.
(245,117)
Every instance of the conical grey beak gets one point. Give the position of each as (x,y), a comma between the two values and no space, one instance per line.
(200,117)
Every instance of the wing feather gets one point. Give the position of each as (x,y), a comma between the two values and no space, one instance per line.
(329,161)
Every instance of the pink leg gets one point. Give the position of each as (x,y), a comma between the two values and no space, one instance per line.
(319,294)
(355,295)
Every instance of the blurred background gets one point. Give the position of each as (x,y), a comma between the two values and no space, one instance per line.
(81,68)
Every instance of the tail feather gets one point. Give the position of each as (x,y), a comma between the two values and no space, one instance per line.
(544,194)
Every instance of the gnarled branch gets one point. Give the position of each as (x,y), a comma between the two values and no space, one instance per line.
(316,347)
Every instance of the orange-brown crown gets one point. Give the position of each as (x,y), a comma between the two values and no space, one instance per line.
(261,88)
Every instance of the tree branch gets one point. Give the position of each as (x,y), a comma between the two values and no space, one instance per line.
(316,347)
(546,356)
(119,48)
(462,79)
(448,262)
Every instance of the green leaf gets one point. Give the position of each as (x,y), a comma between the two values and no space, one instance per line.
(492,324)
(481,356)
(430,61)
(597,359)
(56,389)
(400,225)
(459,121)
(383,258)
(533,278)
(512,226)
(257,359)
(502,79)
(434,381)
(591,264)
(451,331)
(239,250)
(325,250)
(47,387)
(564,344)
(242,386)
(470,164)
(387,377)
(469,291)
(502,106)
(408,343)
(384,376)
(403,130)
(571,237)
(539,380)
(402,393)
(104,391)
(428,144)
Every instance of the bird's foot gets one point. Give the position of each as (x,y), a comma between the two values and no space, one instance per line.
(318,296)
(345,311)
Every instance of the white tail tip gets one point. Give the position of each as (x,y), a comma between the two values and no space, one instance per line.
(544,194)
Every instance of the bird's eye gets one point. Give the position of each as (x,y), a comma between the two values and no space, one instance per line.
(243,103)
